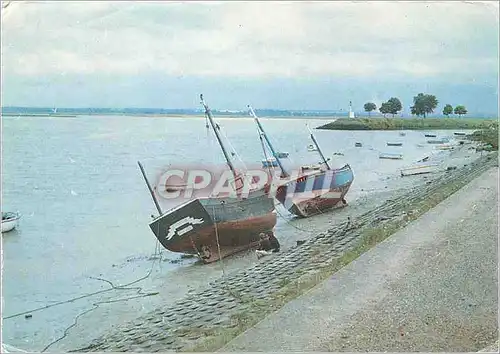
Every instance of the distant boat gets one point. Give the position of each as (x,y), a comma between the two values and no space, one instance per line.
(419,168)
(430,135)
(438,141)
(9,221)
(390,156)
(311,147)
(394,144)
(269,162)
(282,155)
(358,145)
(402,133)
(459,133)
(444,147)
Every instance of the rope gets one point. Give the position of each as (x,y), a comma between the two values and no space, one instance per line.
(95,305)
(218,244)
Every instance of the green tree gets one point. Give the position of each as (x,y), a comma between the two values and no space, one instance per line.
(460,110)
(424,104)
(369,107)
(385,108)
(394,105)
(447,110)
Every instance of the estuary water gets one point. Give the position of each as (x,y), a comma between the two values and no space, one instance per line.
(85,210)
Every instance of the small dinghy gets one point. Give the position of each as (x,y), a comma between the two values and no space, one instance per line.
(444,147)
(9,221)
(282,155)
(269,162)
(390,156)
(419,168)
(311,147)
(437,141)
(358,145)
(394,144)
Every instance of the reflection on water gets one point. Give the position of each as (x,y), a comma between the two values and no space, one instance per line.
(85,208)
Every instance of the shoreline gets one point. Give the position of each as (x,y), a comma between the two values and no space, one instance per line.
(410,124)
(200,320)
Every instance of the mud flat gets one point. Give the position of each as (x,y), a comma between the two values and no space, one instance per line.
(211,316)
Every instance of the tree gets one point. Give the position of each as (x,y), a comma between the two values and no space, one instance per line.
(460,110)
(394,105)
(385,108)
(369,107)
(447,110)
(424,104)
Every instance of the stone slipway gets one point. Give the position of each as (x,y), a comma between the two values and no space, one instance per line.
(432,286)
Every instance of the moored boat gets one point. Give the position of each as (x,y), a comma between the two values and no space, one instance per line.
(430,135)
(9,221)
(438,141)
(459,133)
(269,162)
(282,155)
(444,147)
(311,147)
(315,188)
(358,144)
(390,156)
(419,168)
(394,144)
(214,227)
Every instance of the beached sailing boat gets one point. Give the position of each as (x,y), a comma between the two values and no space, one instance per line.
(215,226)
(311,191)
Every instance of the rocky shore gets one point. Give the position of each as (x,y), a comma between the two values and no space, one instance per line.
(208,318)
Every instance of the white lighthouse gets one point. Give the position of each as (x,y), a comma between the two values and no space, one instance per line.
(351,113)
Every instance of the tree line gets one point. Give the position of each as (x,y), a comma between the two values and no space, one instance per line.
(423,104)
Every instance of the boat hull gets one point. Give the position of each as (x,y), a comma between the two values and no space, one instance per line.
(419,169)
(316,192)
(10,223)
(388,156)
(213,228)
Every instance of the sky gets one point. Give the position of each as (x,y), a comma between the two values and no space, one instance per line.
(282,55)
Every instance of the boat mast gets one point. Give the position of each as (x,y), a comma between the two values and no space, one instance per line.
(216,131)
(317,147)
(284,173)
(150,189)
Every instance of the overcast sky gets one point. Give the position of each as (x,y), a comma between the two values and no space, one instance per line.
(285,55)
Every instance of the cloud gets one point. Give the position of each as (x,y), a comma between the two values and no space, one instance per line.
(252,39)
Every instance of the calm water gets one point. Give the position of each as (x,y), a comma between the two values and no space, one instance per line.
(85,208)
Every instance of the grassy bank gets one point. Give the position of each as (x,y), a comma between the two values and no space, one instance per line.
(409,124)
(488,138)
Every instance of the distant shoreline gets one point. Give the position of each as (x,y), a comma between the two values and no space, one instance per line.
(410,124)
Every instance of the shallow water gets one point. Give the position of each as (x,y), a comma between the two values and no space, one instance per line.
(85,209)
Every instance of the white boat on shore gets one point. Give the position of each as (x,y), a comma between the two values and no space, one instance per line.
(311,147)
(10,349)
(9,221)
(419,168)
(390,156)
(444,147)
